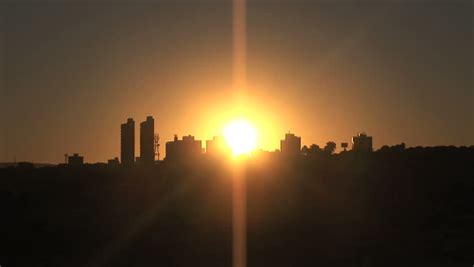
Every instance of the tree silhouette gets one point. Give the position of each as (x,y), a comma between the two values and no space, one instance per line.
(396,148)
(305,150)
(330,147)
(314,149)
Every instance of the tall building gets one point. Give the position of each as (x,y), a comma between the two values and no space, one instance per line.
(147,140)
(362,143)
(291,145)
(127,142)
(187,148)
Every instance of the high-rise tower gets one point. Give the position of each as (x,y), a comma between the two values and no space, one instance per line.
(291,145)
(127,142)
(147,140)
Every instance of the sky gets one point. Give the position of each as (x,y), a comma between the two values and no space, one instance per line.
(71,71)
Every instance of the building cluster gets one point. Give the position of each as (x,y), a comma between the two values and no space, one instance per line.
(189,148)
(147,141)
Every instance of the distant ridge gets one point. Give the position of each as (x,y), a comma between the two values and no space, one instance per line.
(36,165)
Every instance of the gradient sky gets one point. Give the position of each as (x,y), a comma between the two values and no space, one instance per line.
(73,71)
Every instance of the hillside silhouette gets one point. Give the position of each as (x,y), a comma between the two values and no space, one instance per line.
(392,207)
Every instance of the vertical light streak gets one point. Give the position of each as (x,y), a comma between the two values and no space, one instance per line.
(239,86)
(239,218)
(239,48)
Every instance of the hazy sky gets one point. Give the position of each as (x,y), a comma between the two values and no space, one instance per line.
(73,71)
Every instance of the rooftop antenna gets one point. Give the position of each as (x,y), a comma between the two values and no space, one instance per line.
(157,145)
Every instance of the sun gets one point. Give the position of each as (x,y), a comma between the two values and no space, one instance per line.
(240,136)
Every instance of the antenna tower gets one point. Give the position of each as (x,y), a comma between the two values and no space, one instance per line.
(157,146)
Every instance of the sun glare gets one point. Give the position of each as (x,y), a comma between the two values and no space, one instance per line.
(241,137)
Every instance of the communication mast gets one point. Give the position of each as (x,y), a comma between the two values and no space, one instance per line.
(157,146)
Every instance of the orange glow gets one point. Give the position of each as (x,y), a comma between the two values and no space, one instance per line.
(241,137)
(263,118)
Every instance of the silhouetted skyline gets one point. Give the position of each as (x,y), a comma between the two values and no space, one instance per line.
(71,71)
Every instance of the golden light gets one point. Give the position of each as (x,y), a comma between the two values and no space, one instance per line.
(240,136)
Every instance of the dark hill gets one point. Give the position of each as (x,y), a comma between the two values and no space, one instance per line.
(410,207)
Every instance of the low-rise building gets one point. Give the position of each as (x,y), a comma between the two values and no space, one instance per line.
(114,161)
(187,148)
(75,160)
(362,143)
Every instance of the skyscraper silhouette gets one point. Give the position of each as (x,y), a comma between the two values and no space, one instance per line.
(147,139)
(291,145)
(127,142)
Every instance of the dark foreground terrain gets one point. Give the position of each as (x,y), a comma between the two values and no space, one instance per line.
(412,207)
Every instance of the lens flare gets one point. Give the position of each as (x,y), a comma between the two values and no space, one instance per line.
(241,137)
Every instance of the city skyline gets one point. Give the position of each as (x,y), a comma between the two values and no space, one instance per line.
(144,145)
(226,145)
(221,146)
(402,71)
